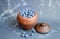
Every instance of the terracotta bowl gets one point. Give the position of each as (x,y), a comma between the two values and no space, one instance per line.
(27,23)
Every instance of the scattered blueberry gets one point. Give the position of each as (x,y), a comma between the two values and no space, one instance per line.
(33,31)
(26,36)
(23,32)
(22,35)
(31,34)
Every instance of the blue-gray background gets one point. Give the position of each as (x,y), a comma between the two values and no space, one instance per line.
(48,12)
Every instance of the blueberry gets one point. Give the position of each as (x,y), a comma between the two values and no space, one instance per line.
(33,31)
(24,12)
(23,32)
(26,36)
(22,35)
(27,13)
(24,15)
(33,14)
(30,12)
(31,34)
(21,13)
(28,16)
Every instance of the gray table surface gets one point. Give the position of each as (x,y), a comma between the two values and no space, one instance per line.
(48,12)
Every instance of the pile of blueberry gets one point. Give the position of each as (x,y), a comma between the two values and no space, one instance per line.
(28,13)
(26,35)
